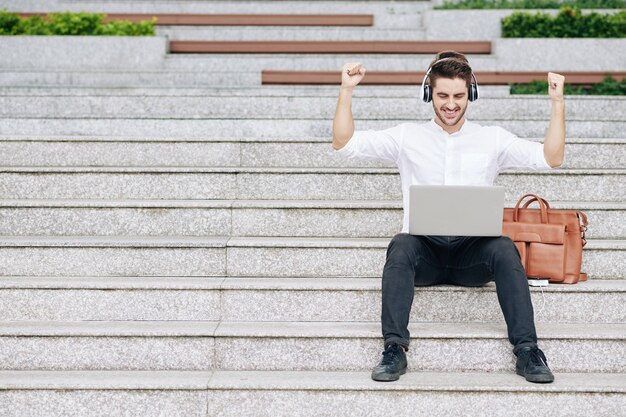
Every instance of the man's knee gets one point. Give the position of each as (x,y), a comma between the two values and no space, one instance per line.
(403,247)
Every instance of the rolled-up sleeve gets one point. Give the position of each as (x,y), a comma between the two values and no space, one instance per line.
(371,145)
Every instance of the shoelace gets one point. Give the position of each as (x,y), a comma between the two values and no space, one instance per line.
(537,358)
(389,354)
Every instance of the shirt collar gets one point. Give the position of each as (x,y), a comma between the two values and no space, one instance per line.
(467,126)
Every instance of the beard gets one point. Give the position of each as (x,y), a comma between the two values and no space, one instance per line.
(449,122)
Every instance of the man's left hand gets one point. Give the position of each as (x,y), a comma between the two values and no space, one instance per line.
(555,86)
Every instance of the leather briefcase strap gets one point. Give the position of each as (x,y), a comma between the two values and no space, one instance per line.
(543,206)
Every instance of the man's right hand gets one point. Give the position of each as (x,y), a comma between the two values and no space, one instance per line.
(351,75)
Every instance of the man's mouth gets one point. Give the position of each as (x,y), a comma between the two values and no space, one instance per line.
(450,113)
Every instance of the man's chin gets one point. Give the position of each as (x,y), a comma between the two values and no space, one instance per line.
(450,122)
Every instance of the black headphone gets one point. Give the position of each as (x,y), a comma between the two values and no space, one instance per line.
(427,91)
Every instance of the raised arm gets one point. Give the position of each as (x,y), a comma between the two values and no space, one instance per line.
(554,142)
(343,124)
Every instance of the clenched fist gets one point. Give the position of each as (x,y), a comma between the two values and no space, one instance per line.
(351,75)
(555,86)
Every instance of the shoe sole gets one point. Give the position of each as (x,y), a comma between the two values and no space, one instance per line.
(388,377)
(541,379)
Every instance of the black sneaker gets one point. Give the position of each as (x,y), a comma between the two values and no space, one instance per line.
(392,365)
(533,365)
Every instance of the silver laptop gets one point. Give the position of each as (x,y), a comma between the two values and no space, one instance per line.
(455,210)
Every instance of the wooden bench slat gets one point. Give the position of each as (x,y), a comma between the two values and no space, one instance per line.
(329,47)
(415,78)
(242,19)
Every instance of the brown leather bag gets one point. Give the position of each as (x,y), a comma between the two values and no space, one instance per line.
(550,241)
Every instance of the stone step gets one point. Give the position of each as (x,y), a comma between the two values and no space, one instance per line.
(284,92)
(255,33)
(114,256)
(513,54)
(518,108)
(596,153)
(247,393)
(194,128)
(235,256)
(302,346)
(116,79)
(327,47)
(27,298)
(279,183)
(405,14)
(366,257)
(281,77)
(298,218)
(238,20)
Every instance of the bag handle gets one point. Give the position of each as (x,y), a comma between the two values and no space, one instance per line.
(543,206)
(583,227)
(536,198)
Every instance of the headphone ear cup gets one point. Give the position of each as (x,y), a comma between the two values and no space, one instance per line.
(473,92)
(427,94)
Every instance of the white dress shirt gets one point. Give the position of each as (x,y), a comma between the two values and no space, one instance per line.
(428,155)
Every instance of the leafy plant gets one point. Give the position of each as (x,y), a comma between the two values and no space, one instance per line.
(532,4)
(568,23)
(72,24)
(608,87)
(8,22)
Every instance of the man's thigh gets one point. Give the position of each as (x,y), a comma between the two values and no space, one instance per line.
(428,253)
(472,259)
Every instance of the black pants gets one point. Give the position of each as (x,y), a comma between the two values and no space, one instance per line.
(458,260)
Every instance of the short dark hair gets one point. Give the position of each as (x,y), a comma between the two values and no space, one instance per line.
(455,66)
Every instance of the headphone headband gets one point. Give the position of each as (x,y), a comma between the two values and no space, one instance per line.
(427,91)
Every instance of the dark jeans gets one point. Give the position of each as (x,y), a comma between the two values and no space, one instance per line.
(458,260)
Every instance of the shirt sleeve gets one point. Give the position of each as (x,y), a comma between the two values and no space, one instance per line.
(371,145)
(516,153)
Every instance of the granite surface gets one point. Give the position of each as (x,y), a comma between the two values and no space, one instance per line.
(138,185)
(195,128)
(77,221)
(109,304)
(103,403)
(277,262)
(112,78)
(61,52)
(99,153)
(520,108)
(286,299)
(358,403)
(55,261)
(107,353)
(300,33)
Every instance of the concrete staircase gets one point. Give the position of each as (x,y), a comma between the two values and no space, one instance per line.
(201,252)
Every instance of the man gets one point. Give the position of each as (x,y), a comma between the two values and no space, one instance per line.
(453,151)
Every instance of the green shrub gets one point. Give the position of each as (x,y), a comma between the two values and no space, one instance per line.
(568,23)
(8,23)
(608,87)
(72,24)
(532,4)
(128,28)
(33,26)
